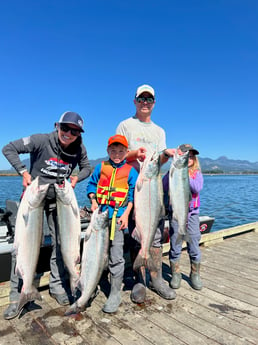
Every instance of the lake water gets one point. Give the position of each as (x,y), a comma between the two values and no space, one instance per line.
(231,199)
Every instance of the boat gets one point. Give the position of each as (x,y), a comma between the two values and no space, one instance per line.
(7,226)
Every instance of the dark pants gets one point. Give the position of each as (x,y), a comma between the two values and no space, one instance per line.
(58,281)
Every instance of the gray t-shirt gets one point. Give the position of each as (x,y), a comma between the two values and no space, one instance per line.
(142,134)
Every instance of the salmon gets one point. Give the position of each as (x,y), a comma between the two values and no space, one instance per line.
(69,230)
(28,237)
(94,259)
(179,191)
(148,208)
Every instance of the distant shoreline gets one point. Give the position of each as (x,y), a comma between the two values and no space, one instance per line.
(9,174)
(204,173)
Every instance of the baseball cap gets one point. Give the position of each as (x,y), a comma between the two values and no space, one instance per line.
(118,139)
(145,88)
(188,147)
(73,118)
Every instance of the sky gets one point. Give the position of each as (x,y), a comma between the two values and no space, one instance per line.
(200,56)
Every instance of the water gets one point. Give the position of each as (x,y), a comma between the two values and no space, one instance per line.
(231,199)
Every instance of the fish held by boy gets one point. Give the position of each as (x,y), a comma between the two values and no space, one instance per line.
(28,237)
(148,208)
(70,229)
(94,259)
(179,192)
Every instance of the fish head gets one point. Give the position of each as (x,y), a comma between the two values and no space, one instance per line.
(35,193)
(99,219)
(151,165)
(64,192)
(180,161)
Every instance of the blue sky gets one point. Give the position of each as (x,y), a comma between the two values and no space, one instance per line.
(201,57)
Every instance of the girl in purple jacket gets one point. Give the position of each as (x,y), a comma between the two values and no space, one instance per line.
(193,226)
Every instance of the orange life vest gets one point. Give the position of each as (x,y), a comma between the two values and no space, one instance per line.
(112,188)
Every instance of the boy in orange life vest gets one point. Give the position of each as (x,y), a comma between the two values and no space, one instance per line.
(111,185)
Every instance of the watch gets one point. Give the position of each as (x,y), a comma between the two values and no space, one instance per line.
(93,197)
(165,154)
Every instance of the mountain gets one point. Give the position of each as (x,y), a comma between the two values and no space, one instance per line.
(221,164)
(228,165)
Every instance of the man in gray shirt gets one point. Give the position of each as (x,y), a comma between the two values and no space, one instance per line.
(144,138)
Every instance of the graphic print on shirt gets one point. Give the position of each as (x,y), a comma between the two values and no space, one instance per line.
(55,166)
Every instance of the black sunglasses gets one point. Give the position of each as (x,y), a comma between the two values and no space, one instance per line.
(65,128)
(149,100)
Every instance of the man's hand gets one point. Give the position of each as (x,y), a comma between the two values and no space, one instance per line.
(26,179)
(141,154)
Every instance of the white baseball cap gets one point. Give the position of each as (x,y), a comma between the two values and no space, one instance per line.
(145,88)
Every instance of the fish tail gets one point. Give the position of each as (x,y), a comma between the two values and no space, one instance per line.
(139,262)
(179,239)
(75,286)
(28,297)
(73,309)
(151,265)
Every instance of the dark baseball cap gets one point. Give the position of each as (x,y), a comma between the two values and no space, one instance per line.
(73,118)
(188,147)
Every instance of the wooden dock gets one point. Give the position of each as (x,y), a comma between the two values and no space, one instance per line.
(224,312)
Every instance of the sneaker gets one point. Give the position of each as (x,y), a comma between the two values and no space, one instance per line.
(61,299)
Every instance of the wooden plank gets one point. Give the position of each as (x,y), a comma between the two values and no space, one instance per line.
(225,311)
(221,319)
(221,307)
(115,324)
(137,318)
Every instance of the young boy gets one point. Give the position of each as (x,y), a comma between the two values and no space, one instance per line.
(112,186)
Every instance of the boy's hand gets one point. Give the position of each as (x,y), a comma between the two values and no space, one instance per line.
(123,221)
(94,205)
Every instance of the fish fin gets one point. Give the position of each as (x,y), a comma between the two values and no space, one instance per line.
(75,209)
(105,266)
(183,237)
(162,211)
(25,217)
(144,262)
(187,238)
(31,296)
(79,285)
(139,262)
(151,265)
(74,289)
(87,233)
(136,235)
(139,184)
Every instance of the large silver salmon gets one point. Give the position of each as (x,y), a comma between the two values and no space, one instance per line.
(94,259)
(179,191)
(28,237)
(148,208)
(69,229)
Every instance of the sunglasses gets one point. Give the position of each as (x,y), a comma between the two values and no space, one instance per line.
(149,100)
(65,128)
